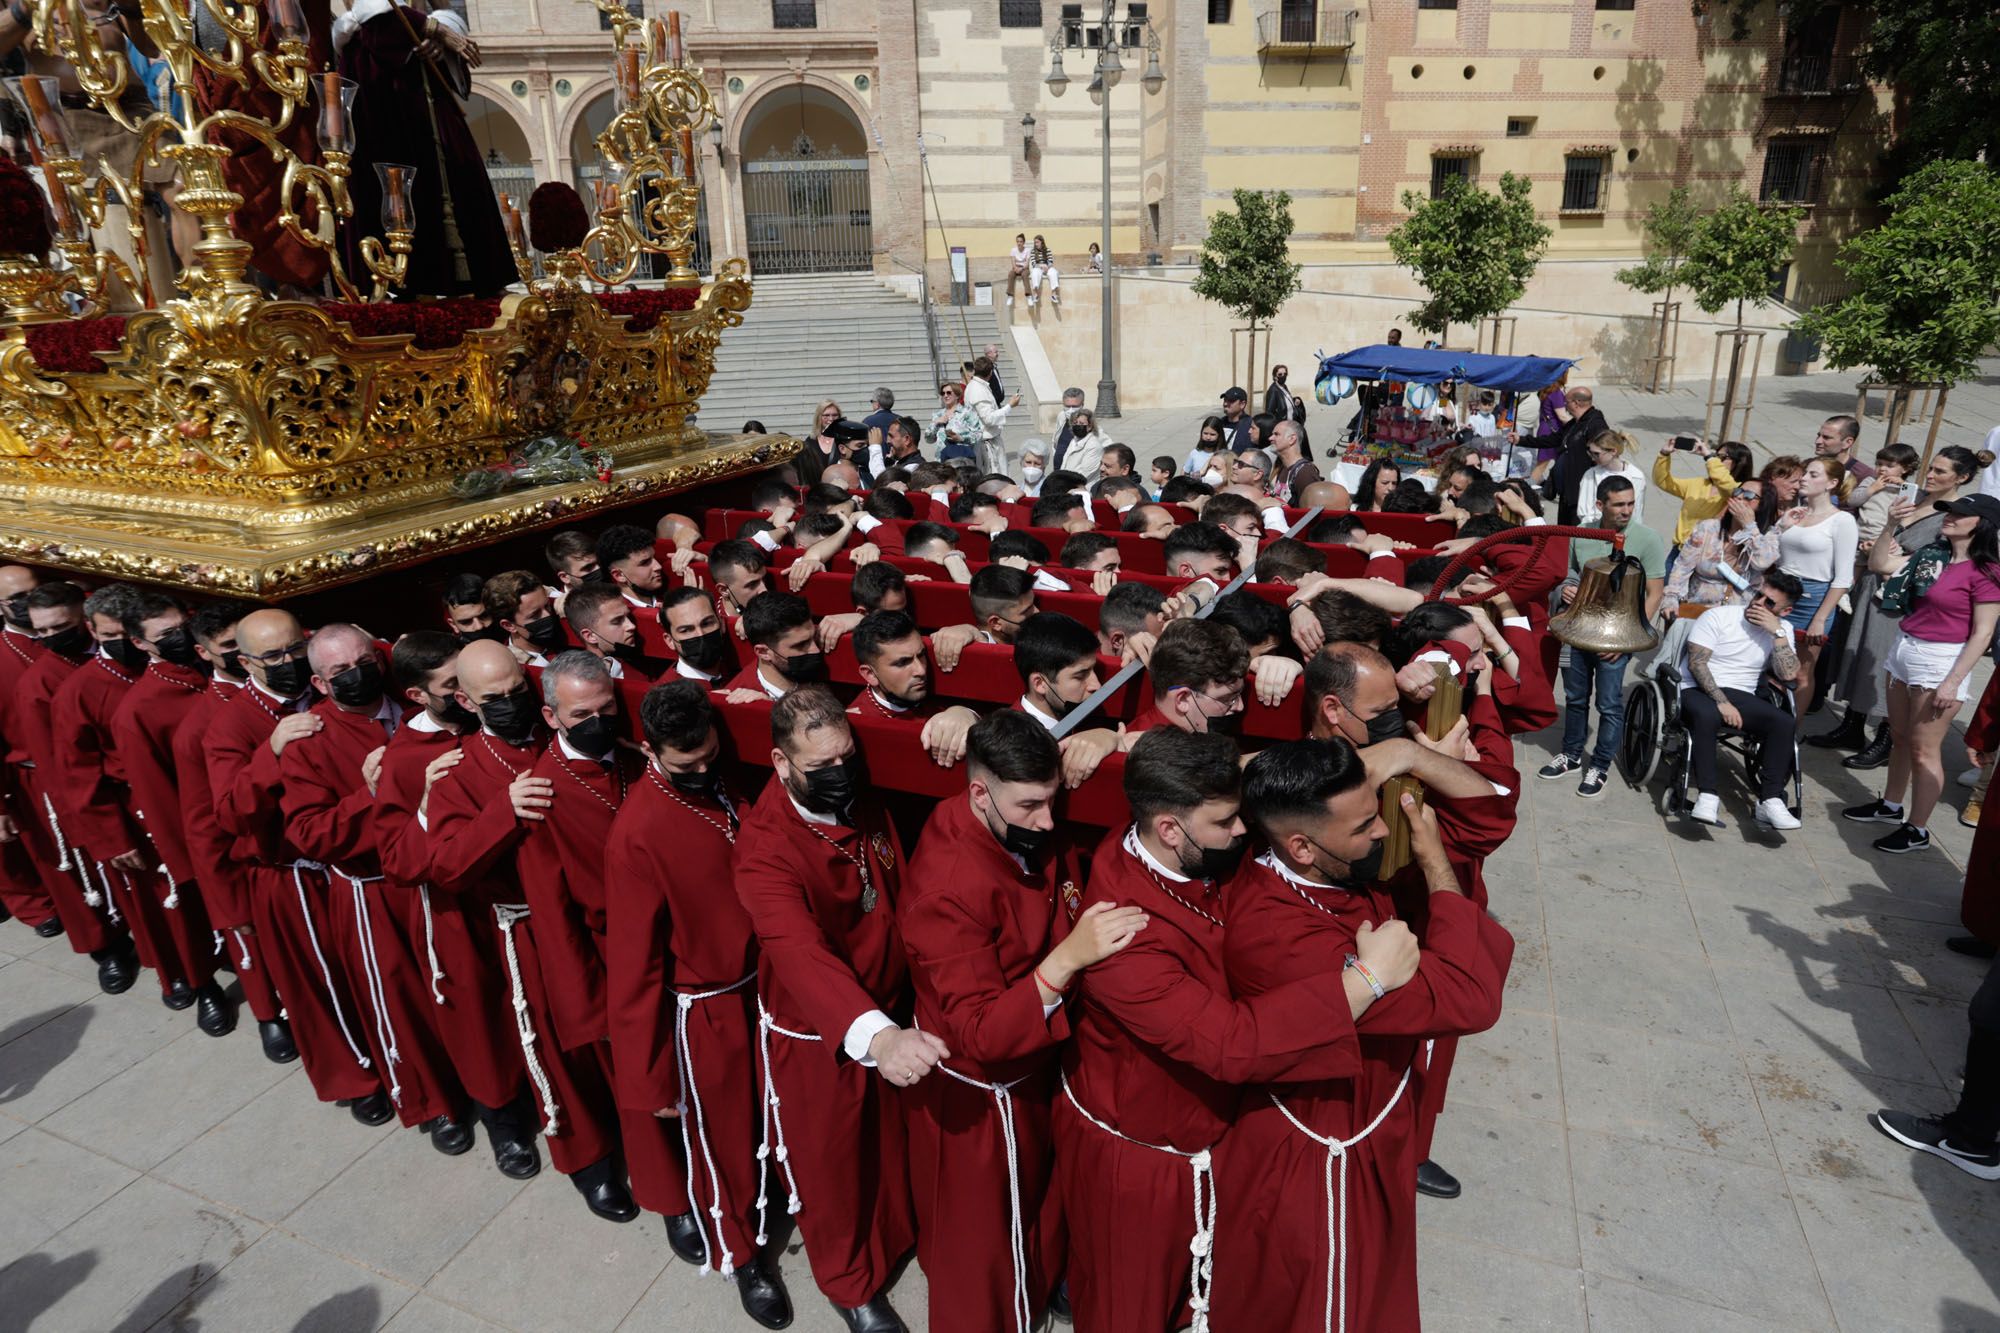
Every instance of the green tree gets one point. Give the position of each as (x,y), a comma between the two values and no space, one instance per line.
(1922,306)
(1246,264)
(1472,250)
(1736,249)
(1943,56)
(1670,231)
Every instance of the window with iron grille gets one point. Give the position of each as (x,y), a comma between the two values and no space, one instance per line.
(1020,13)
(1218,11)
(1791,173)
(1296,20)
(794,14)
(1444,168)
(1583,184)
(636,8)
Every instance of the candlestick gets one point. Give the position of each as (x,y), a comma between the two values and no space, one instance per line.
(288,19)
(656,42)
(628,73)
(40,95)
(396,181)
(687,152)
(676,53)
(335,128)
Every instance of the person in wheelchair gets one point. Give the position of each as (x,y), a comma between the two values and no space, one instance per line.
(1729,651)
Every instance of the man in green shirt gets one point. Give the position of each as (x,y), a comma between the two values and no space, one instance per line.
(1603,674)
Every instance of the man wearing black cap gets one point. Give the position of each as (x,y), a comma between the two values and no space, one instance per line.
(1236,418)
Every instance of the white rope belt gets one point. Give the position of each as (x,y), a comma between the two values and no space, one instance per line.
(325,972)
(774,1124)
(378,995)
(109,900)
(507,916)
(173,898)
(1003,1097)
(691,1097)
(430,944)
(62,851)
(1201,1275)
(242,947)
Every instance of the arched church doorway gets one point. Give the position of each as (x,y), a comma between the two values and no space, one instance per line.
(805,184)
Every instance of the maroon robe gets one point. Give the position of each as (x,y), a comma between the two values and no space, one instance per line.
(288,898)
(562,868)
(1272,1255)
(673,927)
(828,959)
(1160,1047)
(330,817)
(142,731)
(79,901)
(28,872)
(976,925)
(1979,904)
(225,885)
(475,836)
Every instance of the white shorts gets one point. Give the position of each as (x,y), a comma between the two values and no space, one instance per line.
(1923,665)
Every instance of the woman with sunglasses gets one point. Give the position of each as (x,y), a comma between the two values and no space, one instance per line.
(1954,601)
(1723,560)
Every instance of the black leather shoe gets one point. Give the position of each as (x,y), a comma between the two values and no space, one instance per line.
(213,1013)
(51,928)
(684,1235)
(878,1316)
(516,1158)
(1875,754)
(115,972)
(1437,1182)
(276,1035)
(611,1201)
(448,1136)
(178,996)
(1851,734)
(1059,1301)
(1971,946)
(374,1109)
(763,1295)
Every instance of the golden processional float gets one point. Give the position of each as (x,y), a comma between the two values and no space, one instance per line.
(234,443)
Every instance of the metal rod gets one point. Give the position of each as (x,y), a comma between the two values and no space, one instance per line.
(1107,383)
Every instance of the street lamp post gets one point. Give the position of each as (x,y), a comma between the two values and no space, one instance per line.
(1107,41)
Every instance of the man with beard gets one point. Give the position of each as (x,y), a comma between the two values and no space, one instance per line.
(562,866)
(779,629)
(328,803)
(1160,1045)
(741,575)
(55,611)
(86,775)
(225,887)
(29,876)
(606,624)
(465,612)
(896,670)
(1311,1241)
(245,741)
(168,691)
(525,611)
(478,813)
(468,1005)
(819,870)
(702,647)
(631,562)
(572,557)
(992,954)
(680,964)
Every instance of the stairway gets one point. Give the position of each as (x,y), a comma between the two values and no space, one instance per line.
(838,335)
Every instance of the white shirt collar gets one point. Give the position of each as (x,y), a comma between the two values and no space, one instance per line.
(612,665)
(887,703)
(271,693)
(769,689)
(1034,710)
(422,721)
(1136,848)
(1291,876)
(626,592)
(579,755)
(810,816)
(686,672)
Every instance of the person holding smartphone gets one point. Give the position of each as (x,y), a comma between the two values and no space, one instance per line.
(1725,467)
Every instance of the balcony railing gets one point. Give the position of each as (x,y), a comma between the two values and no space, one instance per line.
(1306,28)
(1815,74)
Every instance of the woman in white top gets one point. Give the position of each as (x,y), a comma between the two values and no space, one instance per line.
(1085,454)
(1816,545)
(1607,459)
(992,416)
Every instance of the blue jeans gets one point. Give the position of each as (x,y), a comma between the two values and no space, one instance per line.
(1583,674)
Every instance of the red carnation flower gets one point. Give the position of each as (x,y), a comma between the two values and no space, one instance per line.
(556,218)
(24,222)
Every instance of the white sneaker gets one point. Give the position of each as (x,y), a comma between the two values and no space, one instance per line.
(1032,300)
(1010,300)
(1707,809)
(1773,813)
(1970,777)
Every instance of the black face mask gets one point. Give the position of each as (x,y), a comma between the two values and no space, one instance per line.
(545,634)
(625,652)
(289,679)
(830,791)
(232,662)
(16,608)
(1369,868)
(1059,707)
(491,634)
(1386,725)
(126,654)
(454,714)
(594,736)
(704,652)
(1216,863)
(72,642)
(704,783)
(1228,724)
(1023,842)
(177,647)
(803,669)
(360,686)
(511,717)
(599,575)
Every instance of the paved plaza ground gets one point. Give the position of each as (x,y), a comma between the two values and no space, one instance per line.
(1665,1132)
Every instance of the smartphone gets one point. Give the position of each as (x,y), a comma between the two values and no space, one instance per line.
(1908,492)
(1685,442)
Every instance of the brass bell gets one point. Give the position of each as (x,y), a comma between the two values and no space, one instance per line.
(1609,613)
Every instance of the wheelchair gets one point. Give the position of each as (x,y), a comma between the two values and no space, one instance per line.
(1657,737)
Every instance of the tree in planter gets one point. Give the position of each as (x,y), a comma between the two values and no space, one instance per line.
(1731,257)
(1670,232)
(1246,264)
(1472,250)
(1922,305)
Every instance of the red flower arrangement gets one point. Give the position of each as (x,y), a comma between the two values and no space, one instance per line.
(71,346)
(24,223)
(432,324)
(557,219)
(642,309)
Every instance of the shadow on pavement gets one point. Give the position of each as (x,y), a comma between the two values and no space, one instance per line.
(359,1308)
(35,1282)
(21,1072)
(181,1293)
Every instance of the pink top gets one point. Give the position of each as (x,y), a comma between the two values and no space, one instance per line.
(1944,613)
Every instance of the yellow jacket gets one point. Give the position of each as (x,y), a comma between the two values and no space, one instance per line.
(1701,497)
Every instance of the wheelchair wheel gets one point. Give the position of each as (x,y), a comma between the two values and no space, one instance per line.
(1639,751)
